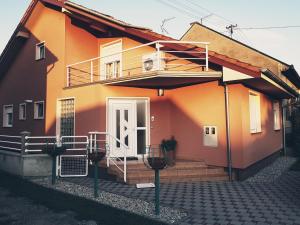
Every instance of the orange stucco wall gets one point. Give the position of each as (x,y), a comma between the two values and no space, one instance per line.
(28,79)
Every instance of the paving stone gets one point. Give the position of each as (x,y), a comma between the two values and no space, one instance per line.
(260,200)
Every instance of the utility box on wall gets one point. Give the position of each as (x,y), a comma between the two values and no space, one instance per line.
(210,136)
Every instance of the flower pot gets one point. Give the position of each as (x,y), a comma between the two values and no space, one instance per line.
(157,163)
(170,155)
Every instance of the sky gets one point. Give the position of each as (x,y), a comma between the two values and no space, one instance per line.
(282,44)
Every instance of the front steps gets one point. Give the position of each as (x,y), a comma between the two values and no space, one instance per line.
(182,171)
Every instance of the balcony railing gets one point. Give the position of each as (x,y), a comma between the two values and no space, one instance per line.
(168,57)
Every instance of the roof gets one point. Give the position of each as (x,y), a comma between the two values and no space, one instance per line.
(241,43)
(141,32)
(290,73)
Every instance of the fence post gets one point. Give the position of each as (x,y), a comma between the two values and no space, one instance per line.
(158,55)
(24,134)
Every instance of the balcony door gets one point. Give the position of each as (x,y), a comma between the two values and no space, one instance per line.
(111,60)
(127,119)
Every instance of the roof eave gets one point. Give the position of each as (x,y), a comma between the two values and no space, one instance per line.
(273,77)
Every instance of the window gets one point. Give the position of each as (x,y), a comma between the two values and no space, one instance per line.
(22,111)
(112,69)
(276,109)
(8,116)
(40,51)
(254,108)
(39,110)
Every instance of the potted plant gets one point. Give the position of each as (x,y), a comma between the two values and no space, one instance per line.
(169,146)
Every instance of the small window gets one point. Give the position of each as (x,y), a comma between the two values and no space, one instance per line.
(276,111)
(40,51)
(22,111)
(8,116)
(255,117)
(39,110)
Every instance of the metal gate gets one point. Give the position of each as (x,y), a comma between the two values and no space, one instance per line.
(74,162)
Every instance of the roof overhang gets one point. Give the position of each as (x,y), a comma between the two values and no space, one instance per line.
(165,80)
(292,74)
(270,85)
(15,45)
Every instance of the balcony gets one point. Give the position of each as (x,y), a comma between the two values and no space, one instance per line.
(165,64)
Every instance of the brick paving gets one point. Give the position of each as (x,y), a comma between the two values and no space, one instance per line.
(276,202)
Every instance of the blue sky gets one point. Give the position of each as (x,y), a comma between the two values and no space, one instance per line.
(280,43)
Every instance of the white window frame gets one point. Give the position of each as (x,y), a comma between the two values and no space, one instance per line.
(38,55)
(20,113)
(276,114)
(5,121)
(254,113)
(35,110)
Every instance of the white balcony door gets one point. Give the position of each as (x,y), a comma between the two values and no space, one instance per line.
(111,60)
(122,125)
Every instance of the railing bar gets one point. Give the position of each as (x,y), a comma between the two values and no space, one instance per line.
(191,52)
(10,148)
(27,150)
(11,142)
(75,143)
(10,136)
(74,137)
(182,58)
(37,144)
(40,137)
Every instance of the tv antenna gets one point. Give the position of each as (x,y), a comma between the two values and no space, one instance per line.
(162,26)
(205,17)
(231,29)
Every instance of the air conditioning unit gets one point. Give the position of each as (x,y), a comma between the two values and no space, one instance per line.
(150,62)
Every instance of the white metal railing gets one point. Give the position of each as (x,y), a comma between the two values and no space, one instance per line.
(141,60)
(38,143)
(11,143)
(106,139)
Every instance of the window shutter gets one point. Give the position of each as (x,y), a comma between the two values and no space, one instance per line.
(258,116)
(276,109)
(252,110)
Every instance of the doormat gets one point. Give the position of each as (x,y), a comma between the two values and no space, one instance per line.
(128,159)
(145,185)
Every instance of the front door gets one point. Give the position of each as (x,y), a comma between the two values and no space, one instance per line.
(122,126)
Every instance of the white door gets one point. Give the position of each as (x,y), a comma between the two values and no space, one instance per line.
(122,125)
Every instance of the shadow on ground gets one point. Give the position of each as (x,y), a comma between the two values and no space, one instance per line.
(296,166)
(58,202)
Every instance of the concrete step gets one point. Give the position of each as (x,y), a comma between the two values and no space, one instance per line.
(171,179)
(182,171)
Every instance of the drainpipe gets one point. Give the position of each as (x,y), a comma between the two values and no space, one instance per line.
(283,127)
(229,160)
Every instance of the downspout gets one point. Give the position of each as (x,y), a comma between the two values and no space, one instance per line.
(228,141)
(283,127)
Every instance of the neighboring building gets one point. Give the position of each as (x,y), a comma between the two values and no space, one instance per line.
(68,70)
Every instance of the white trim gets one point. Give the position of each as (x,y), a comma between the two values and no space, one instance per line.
(58,114)
(4,122)
(37,53)
(35,110)
(148,115)
(25,111)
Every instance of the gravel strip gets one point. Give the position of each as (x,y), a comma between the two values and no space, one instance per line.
(137,206)
(272,172)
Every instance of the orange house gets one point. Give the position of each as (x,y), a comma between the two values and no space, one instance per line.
(69,70)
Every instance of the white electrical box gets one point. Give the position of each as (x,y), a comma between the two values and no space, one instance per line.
(210,136)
